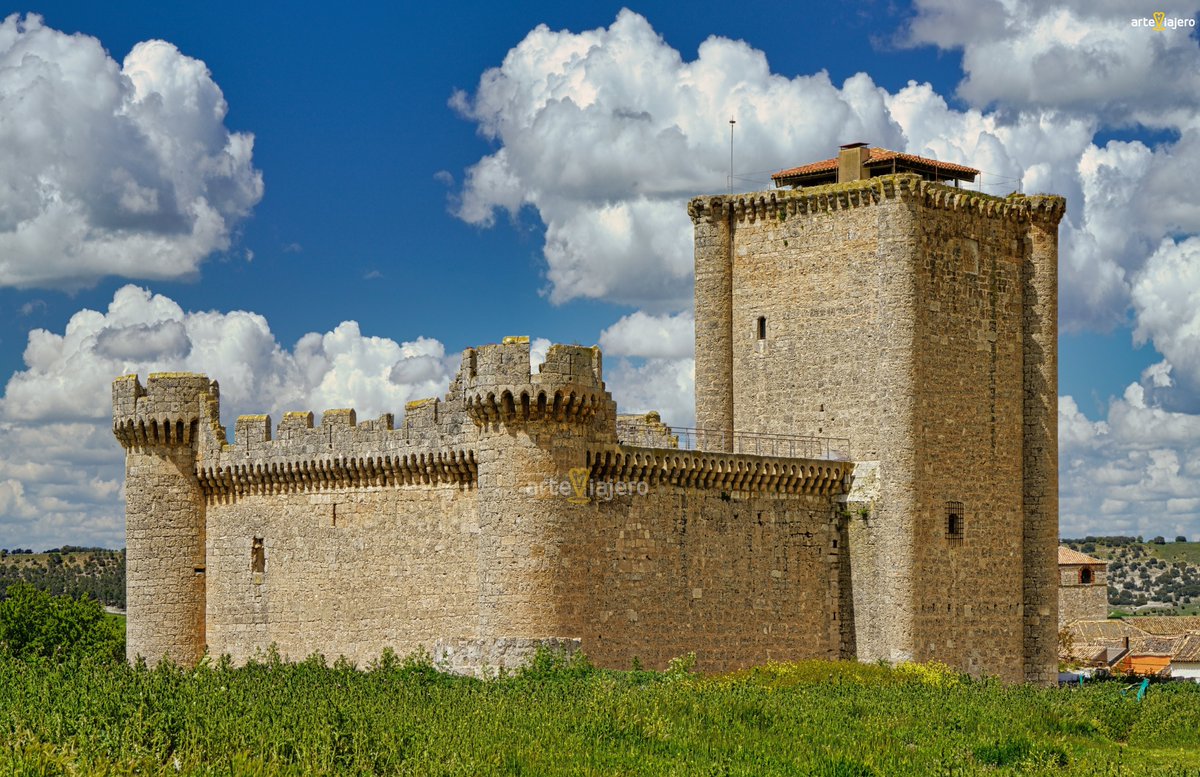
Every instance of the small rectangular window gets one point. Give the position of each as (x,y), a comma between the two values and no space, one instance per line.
(955,520)
(258,556)
(762,327)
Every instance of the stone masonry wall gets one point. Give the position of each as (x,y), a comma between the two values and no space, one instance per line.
(345,570)
(453,532)
(1078,601)
(970,439)
(897,313)
(739,580)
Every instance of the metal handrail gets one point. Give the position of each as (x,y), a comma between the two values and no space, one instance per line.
(752,443)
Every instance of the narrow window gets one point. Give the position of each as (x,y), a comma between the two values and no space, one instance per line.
(1085,576)
(954,521)
(258,556)
(762,327)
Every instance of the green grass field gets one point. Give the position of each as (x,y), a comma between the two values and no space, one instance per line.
(1176,551)
(566,718)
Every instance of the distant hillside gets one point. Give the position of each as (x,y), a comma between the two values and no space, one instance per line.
(1144,576)
(97,572)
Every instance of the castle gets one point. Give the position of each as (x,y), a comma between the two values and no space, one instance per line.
(873,476)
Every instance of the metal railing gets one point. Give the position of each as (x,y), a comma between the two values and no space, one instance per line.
(752,443)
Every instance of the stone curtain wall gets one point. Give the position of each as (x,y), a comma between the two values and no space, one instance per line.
(347,571)
(448,533)
(739,580)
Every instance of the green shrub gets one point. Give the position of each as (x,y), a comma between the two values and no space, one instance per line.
(34,623)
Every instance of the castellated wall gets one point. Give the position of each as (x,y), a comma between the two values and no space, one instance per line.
(913,319)
(505,515)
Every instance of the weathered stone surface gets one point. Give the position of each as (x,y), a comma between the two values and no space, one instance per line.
(915,320)
(1082,592)
(918,321)
(464,533)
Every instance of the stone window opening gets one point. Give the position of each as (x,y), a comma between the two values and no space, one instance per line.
(955,522)
(1085,576)
(762,327)
(258,557)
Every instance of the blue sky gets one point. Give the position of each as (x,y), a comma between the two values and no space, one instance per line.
(362,172)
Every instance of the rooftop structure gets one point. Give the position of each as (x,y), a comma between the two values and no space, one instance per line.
(857,162)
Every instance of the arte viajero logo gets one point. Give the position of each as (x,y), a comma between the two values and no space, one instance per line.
(1160,22)
(578,477)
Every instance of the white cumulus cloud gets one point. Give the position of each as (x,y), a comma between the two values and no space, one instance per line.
(1136,472)
(110,169)
(606,133)
(1081,56)
(645,335)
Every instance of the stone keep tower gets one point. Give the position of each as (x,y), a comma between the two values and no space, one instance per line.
(159,427)
(878,303)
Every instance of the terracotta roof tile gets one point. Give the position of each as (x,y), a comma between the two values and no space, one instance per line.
(1153,646)
(1168,625)
(1106,632)
(1068,556)
(1188,649)
(874,156)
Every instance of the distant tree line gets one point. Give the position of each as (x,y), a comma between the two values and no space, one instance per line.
(96,573)
(1117,541)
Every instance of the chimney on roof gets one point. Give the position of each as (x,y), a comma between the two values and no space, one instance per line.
(852,162)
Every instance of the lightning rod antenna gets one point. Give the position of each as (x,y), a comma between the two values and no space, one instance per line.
(732,121)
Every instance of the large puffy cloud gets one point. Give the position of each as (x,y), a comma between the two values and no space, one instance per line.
(654,368)
(1137,472)
(664,385)
(1166,298)
(641,334)
(1082,56)
(110,169)
(60,469)
(607,132)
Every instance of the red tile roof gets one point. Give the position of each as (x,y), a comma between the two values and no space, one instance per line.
(1068,556)
(874,156)
(1167,625)
(1188,649)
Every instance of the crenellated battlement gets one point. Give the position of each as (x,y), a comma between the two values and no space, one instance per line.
(167,411)
(784,203)
(498,386)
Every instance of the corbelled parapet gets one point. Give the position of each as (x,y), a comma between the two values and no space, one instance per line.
(498,385)
(167,411)
(783,203)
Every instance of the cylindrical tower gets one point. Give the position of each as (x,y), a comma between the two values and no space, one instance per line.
(164,514)
(533,481)
(714,321)
(1040,444)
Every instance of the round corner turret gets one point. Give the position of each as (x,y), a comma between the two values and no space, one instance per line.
(159,426)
